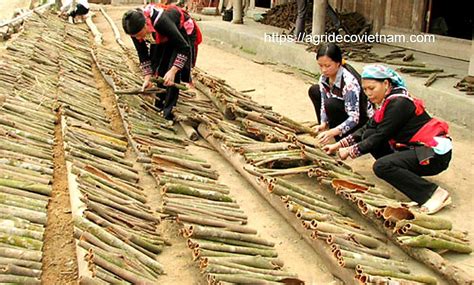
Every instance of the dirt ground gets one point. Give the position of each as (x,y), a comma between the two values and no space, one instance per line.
(298,256)
(8,7)
(287,93)
(59,266)
(286,90)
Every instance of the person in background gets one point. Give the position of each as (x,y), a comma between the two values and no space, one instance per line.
(339,102)
(166,39)
(302,7)
(80,10)
(405,140)
(300,24)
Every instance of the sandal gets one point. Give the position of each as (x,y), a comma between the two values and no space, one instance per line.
(432,206)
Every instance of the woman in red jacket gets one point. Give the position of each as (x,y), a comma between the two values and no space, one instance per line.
(166,40)
(405,140)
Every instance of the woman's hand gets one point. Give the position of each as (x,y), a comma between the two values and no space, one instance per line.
(321,127)
(331,148)
(146,82)
(326,136)
(343,153)
(170,76)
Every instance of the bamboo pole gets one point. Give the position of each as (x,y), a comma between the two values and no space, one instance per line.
(435,243)
(19,271)
(373,271)
(240,279)
(251,261)
(218,268)
(7,278)
(95,32)
(202,244)
(21,254)
(222,188)
(190,210)
(181,189)
(271,272)
(230,211)
(203,232)
(215,223)
(32,216)
(114,241)
(119,271)
(320,247)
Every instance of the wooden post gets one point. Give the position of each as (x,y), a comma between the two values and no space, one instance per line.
(417,15)
(319,17)
(388,13)
(237,12)
(379,7)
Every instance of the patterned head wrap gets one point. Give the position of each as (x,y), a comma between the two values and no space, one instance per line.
(378,71)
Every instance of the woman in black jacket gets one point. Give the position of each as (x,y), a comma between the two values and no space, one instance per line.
(166,40)
(405,140)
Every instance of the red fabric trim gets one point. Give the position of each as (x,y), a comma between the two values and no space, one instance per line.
(426,134)
(150,26)
(160,38)
(419,106)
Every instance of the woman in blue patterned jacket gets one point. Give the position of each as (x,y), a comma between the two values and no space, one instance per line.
(340,104)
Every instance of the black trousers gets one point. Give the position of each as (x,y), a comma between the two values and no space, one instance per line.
(302,7)
(79,11)
(162,57)
(335,111)
(161,61)
(403,171)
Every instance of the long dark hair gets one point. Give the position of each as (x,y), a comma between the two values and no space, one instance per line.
(330,50)
(334,52)
(133,21)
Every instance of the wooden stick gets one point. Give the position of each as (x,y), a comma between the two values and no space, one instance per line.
(200,231)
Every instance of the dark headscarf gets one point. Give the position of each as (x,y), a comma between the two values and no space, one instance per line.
(133,21)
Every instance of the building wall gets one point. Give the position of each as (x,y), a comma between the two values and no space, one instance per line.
(401,14)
